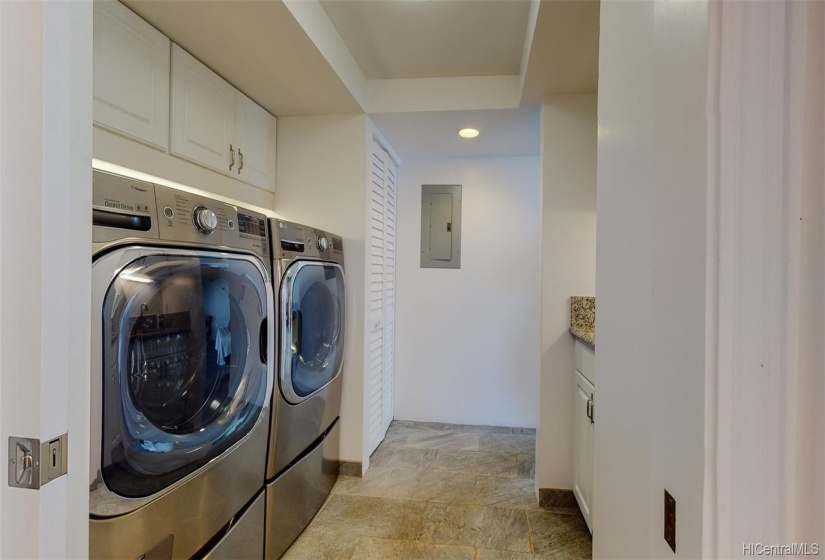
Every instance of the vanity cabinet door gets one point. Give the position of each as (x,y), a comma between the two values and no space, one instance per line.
(584,416)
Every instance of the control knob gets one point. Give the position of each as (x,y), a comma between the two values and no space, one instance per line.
(205,219)
(323,243)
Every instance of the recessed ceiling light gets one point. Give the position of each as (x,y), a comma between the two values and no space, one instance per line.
(468,133)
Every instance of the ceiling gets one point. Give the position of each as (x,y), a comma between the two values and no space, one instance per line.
(396,39)
(504,133)
(564,52)
(421,69)
(259,47)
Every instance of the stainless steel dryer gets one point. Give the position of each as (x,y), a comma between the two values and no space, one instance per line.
(308,279)
(182,374)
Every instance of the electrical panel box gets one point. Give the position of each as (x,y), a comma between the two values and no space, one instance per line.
(441,226)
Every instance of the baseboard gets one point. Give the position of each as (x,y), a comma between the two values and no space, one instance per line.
(554,498)
(350,468)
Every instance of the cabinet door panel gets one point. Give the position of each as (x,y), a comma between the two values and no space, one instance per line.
(255,136)
(131,75)
(583,448)
(203,113)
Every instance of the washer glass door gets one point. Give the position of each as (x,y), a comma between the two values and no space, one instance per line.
(184,366)
(312,328)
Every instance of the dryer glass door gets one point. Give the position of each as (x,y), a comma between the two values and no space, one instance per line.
(312,328)
(184,371)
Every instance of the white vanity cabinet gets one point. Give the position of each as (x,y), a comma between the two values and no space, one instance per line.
(131,75)
(583,424)
(217,126)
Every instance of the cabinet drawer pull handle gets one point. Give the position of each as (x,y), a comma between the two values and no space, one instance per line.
(231,157)
(240,155)
(591,409)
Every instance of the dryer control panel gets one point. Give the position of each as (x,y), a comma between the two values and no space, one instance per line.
(125,208)
(291,240)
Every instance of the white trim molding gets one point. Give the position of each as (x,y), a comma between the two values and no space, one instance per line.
(765,388)
(45,272)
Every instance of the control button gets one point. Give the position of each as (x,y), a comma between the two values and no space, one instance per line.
(323,243)
(205,219)
(168,212)
(231,224)
(309,241)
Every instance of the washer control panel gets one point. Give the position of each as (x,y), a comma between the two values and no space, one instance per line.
(126,208)
(205,219)
(197,219)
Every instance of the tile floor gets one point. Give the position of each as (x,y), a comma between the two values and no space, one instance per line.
(444,492)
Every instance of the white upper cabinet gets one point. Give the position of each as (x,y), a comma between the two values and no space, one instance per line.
(203,114)
(217,126)
(204,120)
(255,143)
(131,75)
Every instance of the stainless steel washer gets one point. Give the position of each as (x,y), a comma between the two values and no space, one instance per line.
(182,373)
(308,277)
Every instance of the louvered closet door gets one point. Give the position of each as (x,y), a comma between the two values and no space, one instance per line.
(389,289)
(380,329)
(375,366)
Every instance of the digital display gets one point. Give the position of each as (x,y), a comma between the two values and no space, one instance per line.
(251,225)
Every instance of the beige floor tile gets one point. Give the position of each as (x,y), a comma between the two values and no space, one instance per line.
(437,439)
(486,554)
(477,462)
(398,438)
(410,426)
(443,492)
(424,484)
(398,457)
(526,466)
(389,549)
(507,443)
(525,431)
(323,545)
(559,535)
(368,516)
(475,429)
(519,493)
(467,525)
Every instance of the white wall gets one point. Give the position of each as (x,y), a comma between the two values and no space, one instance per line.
(568,256)
(45,277)
(467,340)
(650,276)
(321,181)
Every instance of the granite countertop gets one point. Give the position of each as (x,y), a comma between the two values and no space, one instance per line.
(583,320)
(586,336)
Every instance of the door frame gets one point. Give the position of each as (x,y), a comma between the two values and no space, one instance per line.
(45,273)
(765,253)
